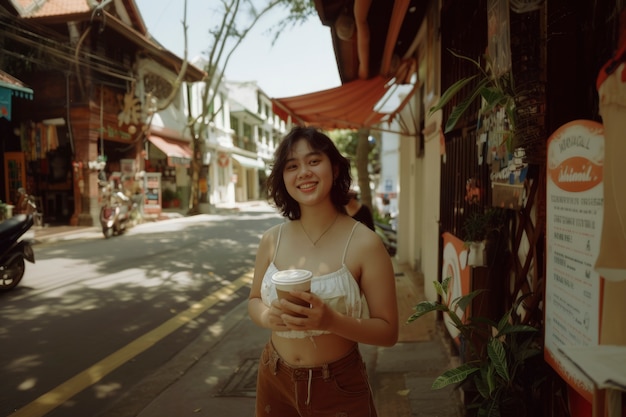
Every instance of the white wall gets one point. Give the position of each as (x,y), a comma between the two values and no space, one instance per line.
(389,178)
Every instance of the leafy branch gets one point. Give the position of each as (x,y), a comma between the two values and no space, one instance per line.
(496,91)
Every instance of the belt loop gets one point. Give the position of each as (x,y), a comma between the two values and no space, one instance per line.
(308,393)
(274,358)
(325,372)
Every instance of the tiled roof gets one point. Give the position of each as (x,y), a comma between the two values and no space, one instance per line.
(17,87)
(45,8)
(9,79)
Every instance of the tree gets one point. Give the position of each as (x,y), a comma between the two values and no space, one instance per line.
(362,162)
(234,20)
(357,144)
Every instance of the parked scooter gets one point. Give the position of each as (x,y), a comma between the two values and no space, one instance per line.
(29,204)
(117,213)
(14,250)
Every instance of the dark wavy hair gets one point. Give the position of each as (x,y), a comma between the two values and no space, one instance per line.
(276,190)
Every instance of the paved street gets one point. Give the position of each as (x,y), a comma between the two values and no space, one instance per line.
(154,324)
(92,317)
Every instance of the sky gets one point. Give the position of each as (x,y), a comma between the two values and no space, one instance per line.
(301,61)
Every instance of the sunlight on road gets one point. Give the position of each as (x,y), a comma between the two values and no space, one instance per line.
(96,372)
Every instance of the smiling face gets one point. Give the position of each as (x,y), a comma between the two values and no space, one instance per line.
(308,174)
(328,175)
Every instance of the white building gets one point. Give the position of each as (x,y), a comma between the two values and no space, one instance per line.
(238,138)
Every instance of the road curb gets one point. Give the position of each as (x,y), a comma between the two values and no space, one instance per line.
(148,390)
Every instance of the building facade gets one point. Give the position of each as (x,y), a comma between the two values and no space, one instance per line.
(97,79)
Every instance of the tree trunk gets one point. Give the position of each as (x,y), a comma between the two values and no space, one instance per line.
(196,164)
(362,161)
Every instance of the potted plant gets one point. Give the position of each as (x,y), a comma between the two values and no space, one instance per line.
(501,362)
(496,91)
(170,198)
(498,117)
(478,228)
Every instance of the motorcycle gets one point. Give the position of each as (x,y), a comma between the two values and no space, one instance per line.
(14,250)
(29,204)
(117,214)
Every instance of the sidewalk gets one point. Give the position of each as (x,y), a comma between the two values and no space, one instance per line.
(216,374)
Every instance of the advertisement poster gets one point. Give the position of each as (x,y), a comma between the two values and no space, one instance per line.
(574,212)
(455,266)
(152,190)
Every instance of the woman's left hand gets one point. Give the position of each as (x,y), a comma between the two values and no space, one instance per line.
(315,317)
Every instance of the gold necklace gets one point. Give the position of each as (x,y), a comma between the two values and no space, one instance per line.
(314,242)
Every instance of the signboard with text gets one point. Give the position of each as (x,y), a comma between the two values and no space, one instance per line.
(574,207)
(152,192)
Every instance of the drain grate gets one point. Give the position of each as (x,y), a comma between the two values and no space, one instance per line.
(243,382)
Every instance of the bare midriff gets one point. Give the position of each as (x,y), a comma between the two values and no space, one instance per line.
(312,351)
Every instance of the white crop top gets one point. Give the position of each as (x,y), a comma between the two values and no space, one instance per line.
(339,290)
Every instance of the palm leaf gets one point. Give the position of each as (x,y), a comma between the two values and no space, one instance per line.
(493,97)
(464,301)
(425,307)
(490,408)
(453,376)
(462,107)
(481,386)
(442,287)
(451,92)
(497,355)
(517,328)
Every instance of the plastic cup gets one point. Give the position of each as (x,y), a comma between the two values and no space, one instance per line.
(292,279)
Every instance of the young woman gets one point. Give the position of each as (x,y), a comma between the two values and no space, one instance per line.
(312,365)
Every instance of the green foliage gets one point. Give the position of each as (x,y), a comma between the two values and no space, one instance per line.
(169,195)
(346,141)
(380,218)
(496,91)
(364,156)
(232,21)
(478,225)
(299,12)
(499,367)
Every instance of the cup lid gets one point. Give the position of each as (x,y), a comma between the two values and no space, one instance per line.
(291,276)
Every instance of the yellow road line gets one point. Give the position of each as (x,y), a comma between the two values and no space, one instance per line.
(95,373)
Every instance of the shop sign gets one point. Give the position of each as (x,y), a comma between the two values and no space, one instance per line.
(5,103)
(223,160)
(124,133)
(152,192)
(574,215)
(178,161)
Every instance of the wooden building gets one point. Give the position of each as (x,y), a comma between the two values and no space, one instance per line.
(93,97)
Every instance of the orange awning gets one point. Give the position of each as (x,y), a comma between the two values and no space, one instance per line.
(178,153)
(354,105)
(350,106)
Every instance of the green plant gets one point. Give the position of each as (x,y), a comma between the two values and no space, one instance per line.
(479,224)
(497,91)
(169,195)
(499,356)
(3,210)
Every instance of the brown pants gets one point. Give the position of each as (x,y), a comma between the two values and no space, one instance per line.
(337,389)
